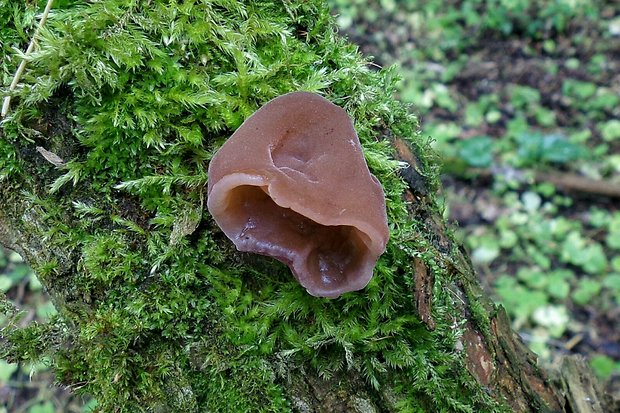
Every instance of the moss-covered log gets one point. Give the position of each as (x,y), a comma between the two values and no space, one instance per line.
(103,160)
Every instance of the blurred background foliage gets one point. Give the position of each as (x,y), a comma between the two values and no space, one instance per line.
(522,99)
(28,388)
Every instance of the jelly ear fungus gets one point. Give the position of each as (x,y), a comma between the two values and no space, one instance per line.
(292,183)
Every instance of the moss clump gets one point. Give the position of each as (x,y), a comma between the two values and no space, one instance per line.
(156,312)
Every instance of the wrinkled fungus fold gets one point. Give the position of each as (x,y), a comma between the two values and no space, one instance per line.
(292,183)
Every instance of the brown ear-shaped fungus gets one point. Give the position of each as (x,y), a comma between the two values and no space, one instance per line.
(292,183)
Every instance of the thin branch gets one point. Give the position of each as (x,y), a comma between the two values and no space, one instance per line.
(577,183)
(7,99)
(566,181)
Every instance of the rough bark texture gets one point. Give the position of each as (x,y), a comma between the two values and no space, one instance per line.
(157,311)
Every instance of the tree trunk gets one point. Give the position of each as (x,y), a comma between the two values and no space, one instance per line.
(103,158)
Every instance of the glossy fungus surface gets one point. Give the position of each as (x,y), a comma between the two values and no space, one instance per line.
(292,183)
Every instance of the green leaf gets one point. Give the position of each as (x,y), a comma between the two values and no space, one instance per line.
(532,277)
(605,100)
(594,260)
(5,283)
(517,126)
(7,370)
(46,407)
(443,99)
(477,151)
(486,252)
(556,148)
(578,89)
(553,317)
(34,284)
(529,148)
(519,300)
(572,63)
(508,238)
(534,147)
(611,130)
(586,290)
(524,96)
(558,288)
(531,201)
(544,117)
(612,281)
(603,365)
(613,236)
(493,116)
(474,114)
(572,246)
(45,311)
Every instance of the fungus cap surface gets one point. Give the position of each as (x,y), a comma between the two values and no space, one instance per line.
(292,183)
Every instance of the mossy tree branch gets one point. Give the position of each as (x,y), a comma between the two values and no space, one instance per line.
(156,310)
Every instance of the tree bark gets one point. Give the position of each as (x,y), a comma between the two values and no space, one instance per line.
(102,251)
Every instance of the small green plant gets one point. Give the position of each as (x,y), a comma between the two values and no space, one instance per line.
(557,265)
(534,148)
(6,371)
(476,152)
(604,366)
(610,130)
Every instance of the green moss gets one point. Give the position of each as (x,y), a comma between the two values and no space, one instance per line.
(9,161)
(156,308)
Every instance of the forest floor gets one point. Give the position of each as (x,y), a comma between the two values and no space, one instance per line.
(523,106)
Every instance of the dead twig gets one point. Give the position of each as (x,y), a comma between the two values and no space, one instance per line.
(565,181)
(577,183)
(18,73)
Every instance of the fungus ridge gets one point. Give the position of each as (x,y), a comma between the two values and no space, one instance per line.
(291,183)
